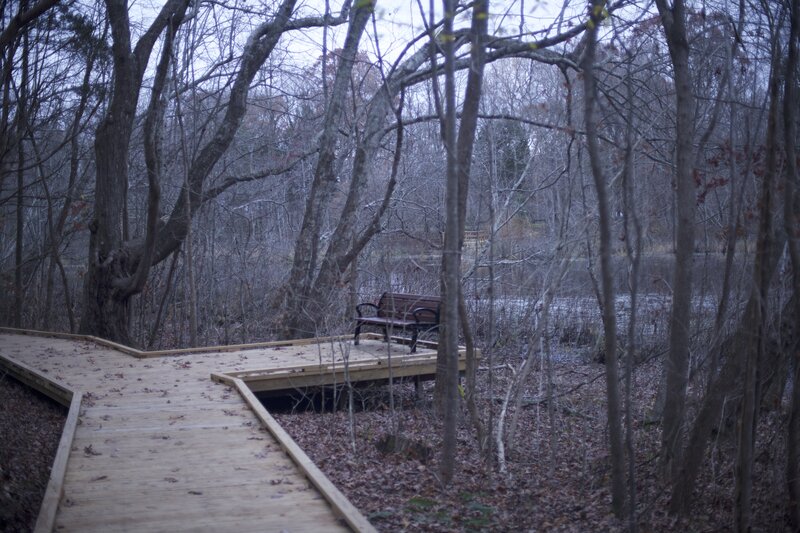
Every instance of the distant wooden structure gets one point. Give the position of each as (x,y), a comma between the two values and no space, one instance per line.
(176,440)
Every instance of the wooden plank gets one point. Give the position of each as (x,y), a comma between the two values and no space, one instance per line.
(37,380)
(55,485)
(338,501)
(265,385)
(266,380)
(175,485)
(245,347)
(205,513)
(72,336)
(397,360)
(137,464)
(196,467)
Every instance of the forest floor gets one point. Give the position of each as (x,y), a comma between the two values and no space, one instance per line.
(557,476)
(386,461)
(30,430)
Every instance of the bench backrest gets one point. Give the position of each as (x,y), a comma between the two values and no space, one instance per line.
(401,306)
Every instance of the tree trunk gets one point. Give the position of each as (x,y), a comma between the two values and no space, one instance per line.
(105,302)
(20,226)
(295,298)
(734,207)
(347,242)
(20,222)
(465,145)
(116,268)
(607,276)
(756,341)
(446,392)
(633,249)
(746,349)
(677,363)
(191,287)
(791,220)
(793,447)
(728,380)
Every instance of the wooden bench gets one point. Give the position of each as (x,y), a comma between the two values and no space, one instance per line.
(408,312)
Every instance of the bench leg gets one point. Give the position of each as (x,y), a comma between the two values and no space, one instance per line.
(414,341)
(385,333)
(358,332)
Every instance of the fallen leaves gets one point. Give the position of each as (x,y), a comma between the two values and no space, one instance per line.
(89,451)
(30,429)
(394,483)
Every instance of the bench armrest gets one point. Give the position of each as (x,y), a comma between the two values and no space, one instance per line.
(359,306)
(427,310)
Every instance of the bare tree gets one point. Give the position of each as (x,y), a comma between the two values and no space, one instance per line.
(677,363)
(791,208)
(22,130)
(741,376)
(447,360)
(459,156)
(109,284)
(24,17)
(113,260)
(609,294)
(296,297)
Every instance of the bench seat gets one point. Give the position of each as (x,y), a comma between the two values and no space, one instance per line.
(407,312)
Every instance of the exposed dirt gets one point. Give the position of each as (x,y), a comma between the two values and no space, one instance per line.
(30,429)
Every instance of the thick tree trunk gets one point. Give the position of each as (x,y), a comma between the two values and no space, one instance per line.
(110,264)
(791,220)
(104,314)
(118,269)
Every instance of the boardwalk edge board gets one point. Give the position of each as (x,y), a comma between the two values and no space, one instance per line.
(45,522)
(50,387)
(343,507)
(202,349)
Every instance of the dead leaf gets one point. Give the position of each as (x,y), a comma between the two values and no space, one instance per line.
(88,450)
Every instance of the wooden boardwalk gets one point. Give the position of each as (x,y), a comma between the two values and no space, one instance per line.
(159,445)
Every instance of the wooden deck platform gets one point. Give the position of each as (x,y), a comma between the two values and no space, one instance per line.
(153,443)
